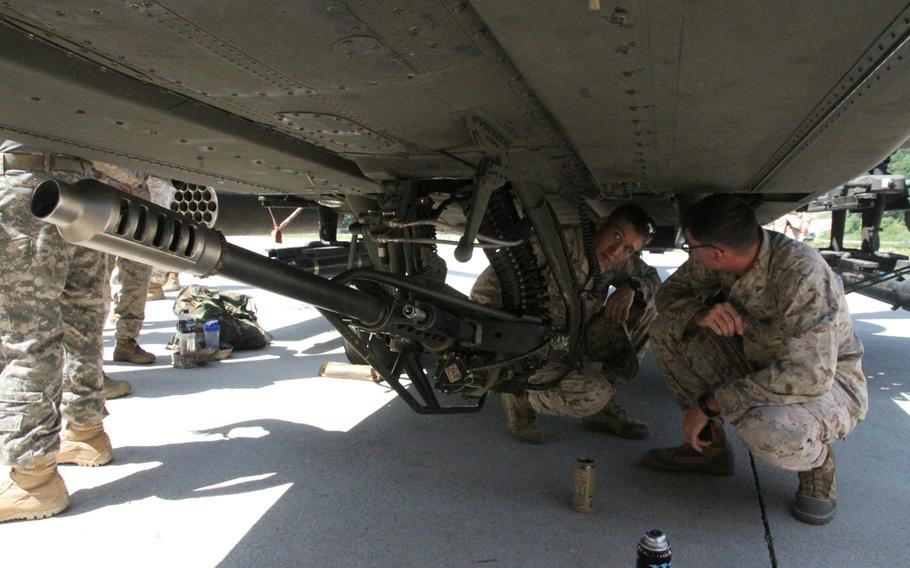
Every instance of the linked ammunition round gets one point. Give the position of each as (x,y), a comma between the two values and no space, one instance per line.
(583,484)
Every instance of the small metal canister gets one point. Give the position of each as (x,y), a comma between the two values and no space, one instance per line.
(583,484)
(654,551)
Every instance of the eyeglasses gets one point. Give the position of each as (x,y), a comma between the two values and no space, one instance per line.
(686,247)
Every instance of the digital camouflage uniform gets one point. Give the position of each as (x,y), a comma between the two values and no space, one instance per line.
(53,314)
(130,283)
(584,393)
(793,382)
(161,192)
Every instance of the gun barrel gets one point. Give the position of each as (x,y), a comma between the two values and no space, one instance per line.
(98,216)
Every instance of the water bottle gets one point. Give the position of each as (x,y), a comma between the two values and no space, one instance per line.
(186,334)
(212,331)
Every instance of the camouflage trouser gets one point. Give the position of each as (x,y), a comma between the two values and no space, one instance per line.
(127,289)
(620,346)
(790,436)
(158,276)
(578,394)
(612,352)
(53,314)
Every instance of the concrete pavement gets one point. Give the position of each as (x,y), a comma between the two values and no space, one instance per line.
(257,461)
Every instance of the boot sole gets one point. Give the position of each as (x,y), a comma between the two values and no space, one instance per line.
(133,361)
(98,462)
(812,519)
(822,518)
(35,515)
(118,393)
(535,439)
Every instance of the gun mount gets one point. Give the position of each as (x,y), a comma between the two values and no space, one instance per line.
(399,323)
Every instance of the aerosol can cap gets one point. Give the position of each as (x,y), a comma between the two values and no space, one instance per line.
(655,540)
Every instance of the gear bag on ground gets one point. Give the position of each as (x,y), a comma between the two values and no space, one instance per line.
(235,312)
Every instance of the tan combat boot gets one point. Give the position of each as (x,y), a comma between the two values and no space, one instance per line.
(155,292)
(114,388)
(613,419)
(716,459)
(35,492)
(171,282)
(128,350)
(816,497)
(522,418)
(84,444)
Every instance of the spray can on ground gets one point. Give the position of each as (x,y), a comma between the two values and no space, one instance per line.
(654,550)
(583,484)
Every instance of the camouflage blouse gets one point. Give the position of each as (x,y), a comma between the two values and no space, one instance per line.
(799,336)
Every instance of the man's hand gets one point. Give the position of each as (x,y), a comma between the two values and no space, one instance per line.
(722,319)
(619,303)
(693,424)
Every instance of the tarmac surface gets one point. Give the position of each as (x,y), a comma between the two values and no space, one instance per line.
(258,461)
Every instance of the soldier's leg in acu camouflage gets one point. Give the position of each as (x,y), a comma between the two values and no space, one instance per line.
(112,388)
(130,286)
(36,261)
(84,441)
(692,367)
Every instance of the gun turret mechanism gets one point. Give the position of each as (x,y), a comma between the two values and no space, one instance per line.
(400,323)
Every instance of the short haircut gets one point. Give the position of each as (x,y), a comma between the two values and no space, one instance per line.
(635,216)
(723,220)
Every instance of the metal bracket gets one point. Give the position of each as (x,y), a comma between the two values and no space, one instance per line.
(490,177)
(492,173)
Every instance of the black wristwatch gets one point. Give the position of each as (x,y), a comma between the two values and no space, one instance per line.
(703,404)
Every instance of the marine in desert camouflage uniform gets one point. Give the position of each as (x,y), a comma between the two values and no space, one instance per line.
(754,329)
(617,330)
(52,304)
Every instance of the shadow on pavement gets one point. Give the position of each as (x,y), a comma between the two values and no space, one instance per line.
(266,366)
